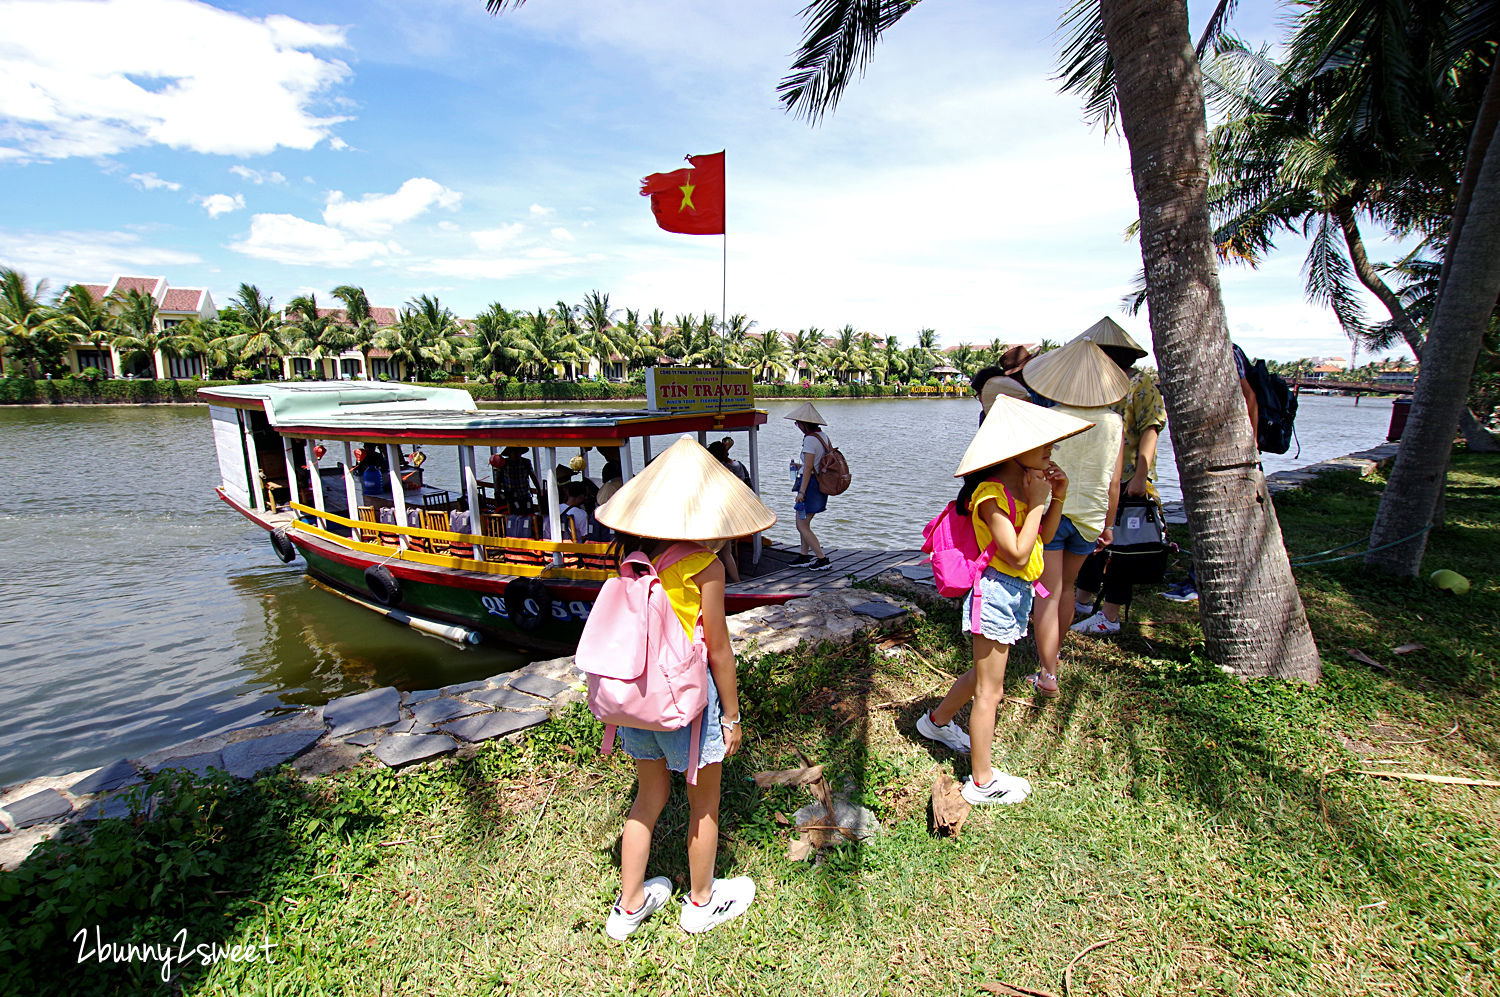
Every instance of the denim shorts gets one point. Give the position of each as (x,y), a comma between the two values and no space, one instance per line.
(815,501)
(1069,540)
(1004,606)
(673,745)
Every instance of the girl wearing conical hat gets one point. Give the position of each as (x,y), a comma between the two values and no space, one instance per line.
(1013,493)
(1081,380)
(810,498)
(679,511)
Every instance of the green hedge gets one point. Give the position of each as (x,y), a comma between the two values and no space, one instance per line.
(72,391)
(598,390)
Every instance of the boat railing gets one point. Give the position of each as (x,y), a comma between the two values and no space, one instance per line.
(585,560)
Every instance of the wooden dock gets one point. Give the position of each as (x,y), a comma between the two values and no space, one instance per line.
(775,573)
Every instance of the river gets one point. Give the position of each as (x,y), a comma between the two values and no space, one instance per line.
(139,611)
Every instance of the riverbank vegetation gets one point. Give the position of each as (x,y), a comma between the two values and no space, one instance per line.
(1218,836)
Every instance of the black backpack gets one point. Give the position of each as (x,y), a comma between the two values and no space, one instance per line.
(1140,551)
(1277,405)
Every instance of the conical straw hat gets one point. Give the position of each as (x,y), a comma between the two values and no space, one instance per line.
(806,414)
(684,494)
(1078,374)
(1012,428)
(1107,332)
(1001,385)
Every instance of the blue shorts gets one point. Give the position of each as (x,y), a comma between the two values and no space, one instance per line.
(1069,540)
(673,745)
(815,501)
(1004,607)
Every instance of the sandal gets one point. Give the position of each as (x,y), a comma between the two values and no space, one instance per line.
(1035,678)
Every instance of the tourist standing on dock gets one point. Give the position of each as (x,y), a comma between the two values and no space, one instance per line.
(1081,380)
(810,497)
(1013,494)
(1144,415)
(684,495)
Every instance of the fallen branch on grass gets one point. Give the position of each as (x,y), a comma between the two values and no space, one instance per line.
(1068,973)
(1014,990)
(1428,740)
(1446,780)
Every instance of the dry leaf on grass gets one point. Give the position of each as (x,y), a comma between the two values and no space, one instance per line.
(1408,648)
(1365,659)
(788,777)
(799,849)
(782,819)
(1013,990)
(949,808)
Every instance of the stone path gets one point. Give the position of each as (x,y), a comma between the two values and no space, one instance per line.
(393,728)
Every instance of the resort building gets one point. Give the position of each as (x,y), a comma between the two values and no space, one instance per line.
(169,307)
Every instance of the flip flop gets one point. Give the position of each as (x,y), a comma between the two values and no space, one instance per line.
(1035,678)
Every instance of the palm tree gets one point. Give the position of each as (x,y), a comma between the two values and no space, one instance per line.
(964,359)
(807,350)
(426,337)
(737,341)
(656,329)
(261,334)
(88,318)
(138,334)
(767,355)
(313,334)
(631,341)
(597,320)
(894,361)
(494,345)
(364,330)
(33,335)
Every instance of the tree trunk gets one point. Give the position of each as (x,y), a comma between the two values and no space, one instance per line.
(1465,303)
(1252,615)
(1479,439)
(1370,278)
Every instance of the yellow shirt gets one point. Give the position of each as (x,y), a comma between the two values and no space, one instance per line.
(1089,461)
(683,589)
(995,490)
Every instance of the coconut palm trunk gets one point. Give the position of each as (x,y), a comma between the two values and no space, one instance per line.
(1252,615)
(1464,306)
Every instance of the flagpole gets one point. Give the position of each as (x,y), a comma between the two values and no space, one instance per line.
(724,274)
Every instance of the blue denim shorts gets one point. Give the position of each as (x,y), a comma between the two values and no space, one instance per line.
(1069,540)
(815,502)
(673,745)
(1004,607)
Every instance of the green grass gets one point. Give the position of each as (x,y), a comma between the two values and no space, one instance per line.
(1218,833)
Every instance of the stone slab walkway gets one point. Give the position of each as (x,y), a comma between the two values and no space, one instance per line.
(393,728)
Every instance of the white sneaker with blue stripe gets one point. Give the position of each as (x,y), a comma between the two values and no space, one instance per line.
(730,898)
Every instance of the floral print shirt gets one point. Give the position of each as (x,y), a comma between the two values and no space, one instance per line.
(1143,409)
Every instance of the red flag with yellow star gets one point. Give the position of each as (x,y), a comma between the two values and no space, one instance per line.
(690,201)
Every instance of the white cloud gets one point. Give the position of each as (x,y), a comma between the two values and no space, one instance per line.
(256,176)
(563,234)
(539,211)
(299,242)
(150,181)
(491,239)
(221,204)
(178,73)
(375,214)
(337,144)
(67,257)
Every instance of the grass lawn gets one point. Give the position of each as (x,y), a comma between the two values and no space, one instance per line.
(1218,835)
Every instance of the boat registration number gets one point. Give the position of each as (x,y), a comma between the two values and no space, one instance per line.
(575,610)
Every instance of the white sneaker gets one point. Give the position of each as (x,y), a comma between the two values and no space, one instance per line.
(1000,789)
(1097,625)
(730,899)
(950,735)
(622,923)
(1082,609)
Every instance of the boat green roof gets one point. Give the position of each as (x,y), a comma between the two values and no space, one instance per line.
(379,410)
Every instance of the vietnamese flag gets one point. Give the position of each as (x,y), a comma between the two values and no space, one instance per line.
(690,201)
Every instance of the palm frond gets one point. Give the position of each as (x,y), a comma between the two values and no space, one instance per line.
(837,46)
(1330,278)
(1085,65)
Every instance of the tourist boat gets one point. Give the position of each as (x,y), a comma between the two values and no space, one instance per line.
(288,456)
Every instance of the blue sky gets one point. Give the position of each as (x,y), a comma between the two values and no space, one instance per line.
(425,147)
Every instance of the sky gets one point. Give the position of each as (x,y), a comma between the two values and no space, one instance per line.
(426,147)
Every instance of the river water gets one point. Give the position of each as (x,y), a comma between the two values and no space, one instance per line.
(139,611)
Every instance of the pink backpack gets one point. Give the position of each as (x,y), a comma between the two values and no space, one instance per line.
(641,668)
(953,551)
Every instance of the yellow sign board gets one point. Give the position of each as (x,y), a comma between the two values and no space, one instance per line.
(699,389)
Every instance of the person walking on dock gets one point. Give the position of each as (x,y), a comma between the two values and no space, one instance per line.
(810,497)
(1013,494)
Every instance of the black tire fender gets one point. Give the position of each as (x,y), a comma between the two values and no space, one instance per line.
(383,585)
(528,603)
(283,546)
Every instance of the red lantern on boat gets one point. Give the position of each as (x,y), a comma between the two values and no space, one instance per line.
(318,451)
(496,461)
(359,455)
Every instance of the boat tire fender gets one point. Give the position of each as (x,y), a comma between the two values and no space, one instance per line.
(383,585)
(528,603)
(283,546)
